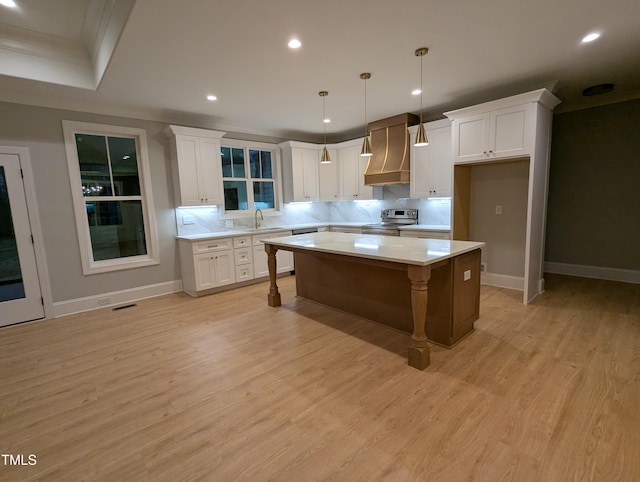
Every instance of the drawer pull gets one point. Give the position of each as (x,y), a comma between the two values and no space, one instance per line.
(212,246)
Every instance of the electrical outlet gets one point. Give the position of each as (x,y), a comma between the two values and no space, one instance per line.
(104,301)
(483,267)
(467,275)
(498,209)
(187,219)
(228,223)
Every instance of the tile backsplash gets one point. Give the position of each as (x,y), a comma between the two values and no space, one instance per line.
(212,219)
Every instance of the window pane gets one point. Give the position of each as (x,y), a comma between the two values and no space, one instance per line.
(94,165)
(254,163)
(11,284)
(116,229)
(225,154)
(124,166)
(238,162)
(235,196)
(263,194)
(265,157)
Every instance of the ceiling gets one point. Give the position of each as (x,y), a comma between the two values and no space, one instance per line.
(158,59)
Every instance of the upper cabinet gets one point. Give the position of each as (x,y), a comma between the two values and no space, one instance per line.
(432,165)
(497,130)
(352,167)
(300,171)
(305,179)
(328,175)
(196,165)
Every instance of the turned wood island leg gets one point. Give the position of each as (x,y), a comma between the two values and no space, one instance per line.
(419,353)
(274,295)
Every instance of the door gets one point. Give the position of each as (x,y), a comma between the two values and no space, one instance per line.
(20,296)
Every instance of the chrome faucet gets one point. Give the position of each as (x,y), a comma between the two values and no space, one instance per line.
(256,217)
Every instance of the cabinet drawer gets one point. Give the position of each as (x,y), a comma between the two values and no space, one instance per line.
(243,255)
(212,245)
(426,234)
(257,238)
(242,242)
(244,273)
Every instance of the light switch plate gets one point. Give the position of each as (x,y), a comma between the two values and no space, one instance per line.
(228,223)
(498,209)
(186,219)
(467,275)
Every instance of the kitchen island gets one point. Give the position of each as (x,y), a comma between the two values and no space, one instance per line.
(386,279)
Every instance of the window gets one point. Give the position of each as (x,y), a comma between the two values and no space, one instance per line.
(111,188)
(248,176)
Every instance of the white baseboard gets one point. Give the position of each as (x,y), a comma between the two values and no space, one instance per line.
(612,274)
(115,298)
(502,281)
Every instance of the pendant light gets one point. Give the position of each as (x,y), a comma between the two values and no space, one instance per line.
(366,145)
(421,135)
(325,159)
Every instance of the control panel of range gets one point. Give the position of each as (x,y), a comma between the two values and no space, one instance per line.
(406,215)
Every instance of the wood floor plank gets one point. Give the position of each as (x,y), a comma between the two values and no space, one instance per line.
(224,387)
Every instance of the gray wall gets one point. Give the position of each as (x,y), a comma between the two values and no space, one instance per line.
(503,184)
(40,130)
(594,189)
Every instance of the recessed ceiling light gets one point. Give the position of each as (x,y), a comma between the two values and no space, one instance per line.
(416,92)
(8,3)
(591,37)
(212,97)
(294,43)
(327,120)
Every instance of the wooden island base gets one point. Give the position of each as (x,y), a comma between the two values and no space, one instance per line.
(433,303)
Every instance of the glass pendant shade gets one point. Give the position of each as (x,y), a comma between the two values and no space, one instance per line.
(421,137)
(326,158)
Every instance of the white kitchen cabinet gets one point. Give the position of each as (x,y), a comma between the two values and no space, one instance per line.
(300,162)
(432,165)
(214,270)
(488,140)
(196,165)
(352,167)
(328,178)
(284,259)
(500,133)
(243,255)
(206,264)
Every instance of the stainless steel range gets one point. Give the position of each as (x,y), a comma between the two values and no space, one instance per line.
(391,220)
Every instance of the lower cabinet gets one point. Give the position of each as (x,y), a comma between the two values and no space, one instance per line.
(425,234)
(284,259)
(219,262)
(207,264)
(214,270)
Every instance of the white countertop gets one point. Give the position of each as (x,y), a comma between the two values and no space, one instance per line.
(415,251)
(266,230)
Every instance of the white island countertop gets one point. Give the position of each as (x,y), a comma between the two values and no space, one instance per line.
(416,251)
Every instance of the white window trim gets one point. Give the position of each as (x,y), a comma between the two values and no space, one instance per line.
(89,265)
(264,146)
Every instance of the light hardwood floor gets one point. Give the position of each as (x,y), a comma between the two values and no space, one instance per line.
(225,388)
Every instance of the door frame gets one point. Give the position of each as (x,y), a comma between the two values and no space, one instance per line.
(34,223)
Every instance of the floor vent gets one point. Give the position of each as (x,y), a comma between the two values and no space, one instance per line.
(117,308)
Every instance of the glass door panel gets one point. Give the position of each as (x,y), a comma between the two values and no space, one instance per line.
(11,285)
(20,296)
